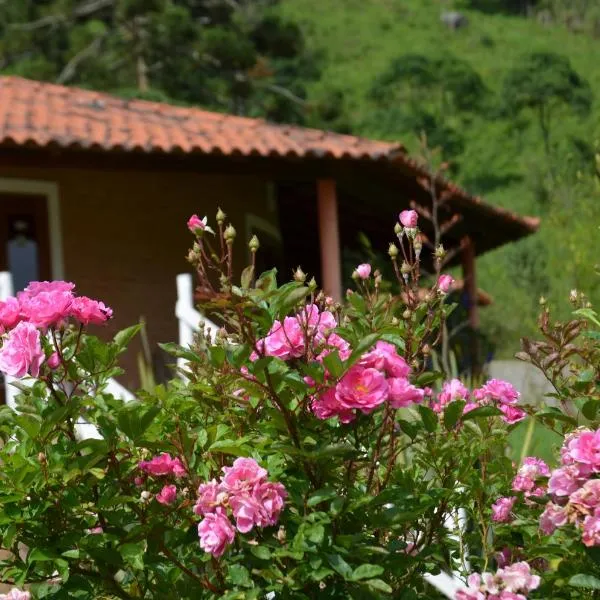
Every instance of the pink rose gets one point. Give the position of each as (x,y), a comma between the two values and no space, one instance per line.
(570,440)
(21,353)
(96,530)
(529,472)
(553,516)
(246,511)
(335,342)
(364,389)
(518,578)
(46,309)
(591,531)
(409,218)
(15,594)
(10,313)
(497,390)
(53,361)
(587,498)
(242,475)
(502,509)
(326,405)
(451,390)
(196,224)
(207,498)
(512,414)
(271,499)
(364,270)
(167,495)
(402,393)
(87,311)
(163,465)
(216,533)
(385,357)
(444,283)
(585,448)
(565,481)
(285,340)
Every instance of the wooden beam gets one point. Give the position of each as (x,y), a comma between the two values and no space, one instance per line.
(329,237)
(470,279)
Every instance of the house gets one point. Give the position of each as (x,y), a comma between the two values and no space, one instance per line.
(97,189)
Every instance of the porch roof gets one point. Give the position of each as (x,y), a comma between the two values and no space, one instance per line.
(43,115)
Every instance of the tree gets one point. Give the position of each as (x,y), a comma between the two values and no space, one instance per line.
(543,82)
(239,57)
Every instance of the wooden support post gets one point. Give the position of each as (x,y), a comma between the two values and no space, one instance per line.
(329,237)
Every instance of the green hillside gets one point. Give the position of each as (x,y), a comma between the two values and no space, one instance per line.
(503,156)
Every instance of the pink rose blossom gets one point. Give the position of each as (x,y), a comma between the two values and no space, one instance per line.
(10,313)
(385,357)
(554,516)
(271,499)
(402,393)
(46,303)
(587,498)
(445,282)
(497,390)
(242,475)
(409,218)
(362,388)
(529,472)
(585,449)
(246,511)
(216,533)
(285,340)
(21,352)
(451,390)
(167,495)
(364,270)
(15,594)
(591,531)
(87,311)
(207,498)
(570,440)
(518,578)
(512,414)
(37,287)
(565,480)
(502,509)
(163,465)
(196,224)
(96,530)
(326,405)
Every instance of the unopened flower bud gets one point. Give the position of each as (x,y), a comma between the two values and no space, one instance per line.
(573,296)
(428,297)
(312,284)
(405,269)
(355,275)
(322,585)
(393,250)
(253,244)
(145,496)
(542,301)
(53,361)
(415,364)
(395,321)
(281,535)
(418,246)
(299,275)
(229,234)
(222,333)
(440,252)
(378,279)
(407,314)
(42,458)
(398,229)
(221,216)
(426,349)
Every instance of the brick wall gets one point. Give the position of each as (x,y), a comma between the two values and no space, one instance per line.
(125,237)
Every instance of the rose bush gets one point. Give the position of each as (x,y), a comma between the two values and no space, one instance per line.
(308,451)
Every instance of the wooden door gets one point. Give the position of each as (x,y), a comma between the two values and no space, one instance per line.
(24,238)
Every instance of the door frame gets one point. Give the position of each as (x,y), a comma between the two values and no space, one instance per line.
(48,189)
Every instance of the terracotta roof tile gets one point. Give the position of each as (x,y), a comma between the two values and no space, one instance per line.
(39,114)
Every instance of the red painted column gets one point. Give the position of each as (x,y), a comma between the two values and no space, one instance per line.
(329,237)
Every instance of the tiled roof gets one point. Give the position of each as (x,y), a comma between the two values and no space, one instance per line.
(38,114)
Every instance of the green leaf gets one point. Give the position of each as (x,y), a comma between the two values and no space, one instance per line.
(585,581)
(410,429)
(247,275)
(261,552)
(367,571)
(590,408)
(294,297)
(366,343)
(589,314)
(134,418)
(321,496)
(453,412)
(379,585)
(267,282)
(333,364)
(123,337)
(239,575)
(340,566)
(482,411)
(133,554)
(429,418)
(41,555)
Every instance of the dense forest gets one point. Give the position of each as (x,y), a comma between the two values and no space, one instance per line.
(508,89)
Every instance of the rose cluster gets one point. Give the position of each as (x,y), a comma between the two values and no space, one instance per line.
(527,481)
(162,466)
(243,490)
(40,306)
(15,594)
(509,583)
(380,375)
(575,488)
(495,392)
